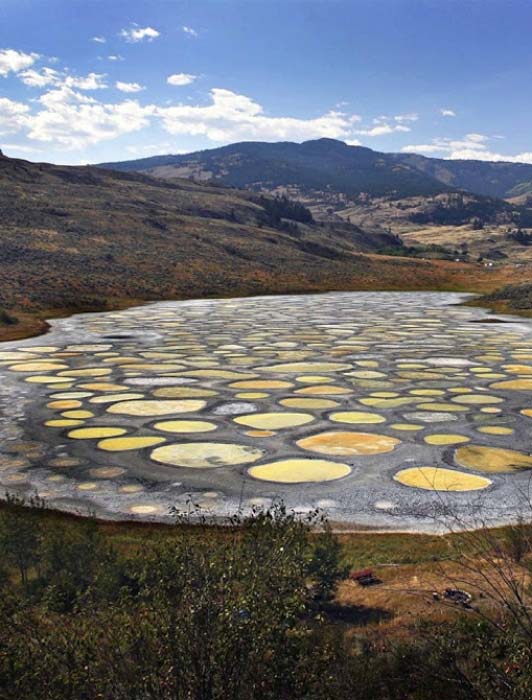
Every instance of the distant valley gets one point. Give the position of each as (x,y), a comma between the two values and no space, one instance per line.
(474,209)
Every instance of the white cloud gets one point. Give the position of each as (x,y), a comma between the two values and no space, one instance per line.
(8,148)
(190,31)
(12,61)
(353,142)
(49,76)
(422,148)
(447,113)
(385,125)
(99,39)
(476,138)
(70,118)
(181,79)
(74,120)
(382,129)
(410,117)
(471,147)
(153,149)
(135,34)
(35,78)
(233,117)
(128,87)
(13,116)
(92,81)
(115,57)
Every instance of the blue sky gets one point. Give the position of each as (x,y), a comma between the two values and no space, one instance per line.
(93,80)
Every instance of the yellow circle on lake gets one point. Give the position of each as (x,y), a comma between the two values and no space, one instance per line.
(514,385)
(202,455)
(312,379)
(274,420)
(111,398)
(87,486)
(88,372)
(183,392)
(440,479)
(77,414)
(477,399)
(356,417)
(347,443)
(408,427)
(106,472)
(63,423)
(103,386)
(37,367)
(492,459)
(447,407)
(389,403)
(121,444)
(156,407)
(144,509)
(96,432)
(43,379)
(495,430)
(297,471)
(518,369)
(306,367)
(445,439)
(323,390)
(261,384)
(185,426)
(63,404)
(252,395)
(308,403)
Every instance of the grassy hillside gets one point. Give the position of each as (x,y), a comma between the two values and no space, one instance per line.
(74,235)
(82,237)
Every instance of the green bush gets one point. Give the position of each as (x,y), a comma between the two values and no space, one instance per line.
(227,614)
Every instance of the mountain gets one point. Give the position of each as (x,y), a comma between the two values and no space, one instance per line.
(321,165)
(330,165)
(493,179)
(86,237)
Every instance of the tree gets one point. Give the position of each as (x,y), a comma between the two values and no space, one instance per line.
(326,568)
(19,536)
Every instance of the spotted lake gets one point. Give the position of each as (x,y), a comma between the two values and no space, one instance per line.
(386,410)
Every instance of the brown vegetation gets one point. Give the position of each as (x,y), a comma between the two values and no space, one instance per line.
(80,238)
(189,613)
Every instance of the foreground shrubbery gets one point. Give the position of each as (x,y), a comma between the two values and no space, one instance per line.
(231,614)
